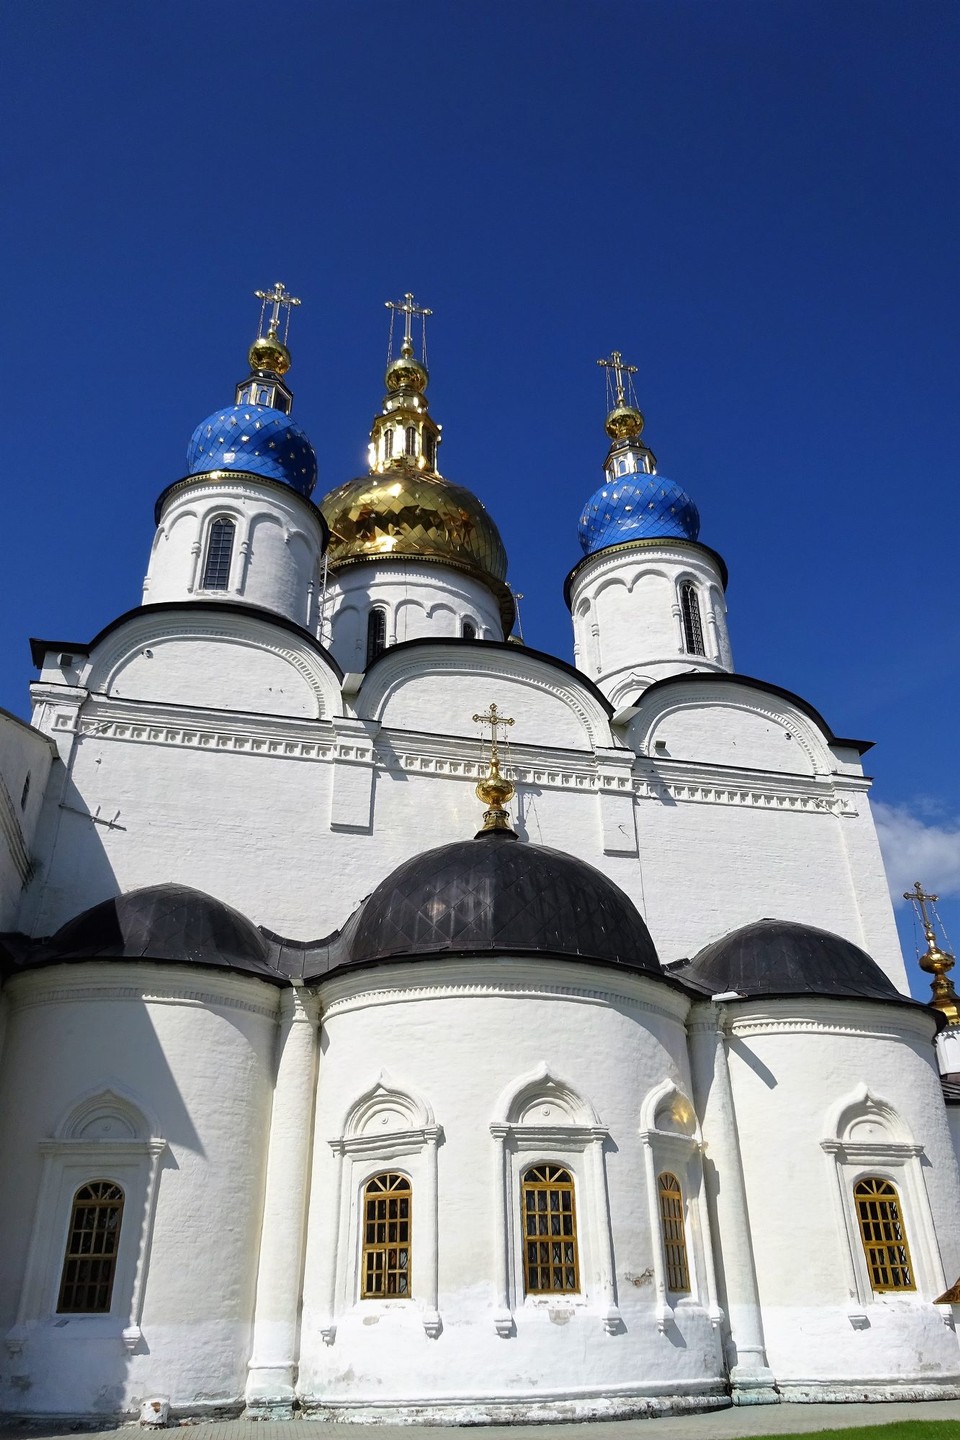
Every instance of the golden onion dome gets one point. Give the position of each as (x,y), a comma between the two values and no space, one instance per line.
(406,373)
(268,353)
(624,422)
(404,512)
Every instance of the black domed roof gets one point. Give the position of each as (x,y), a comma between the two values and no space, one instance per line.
(495,895)
(781,957)
(162,922)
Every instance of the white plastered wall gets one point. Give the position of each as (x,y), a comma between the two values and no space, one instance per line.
(176,1066)
(459,1074)
(277,547)
(627,626)
(419,601)
(827,1092)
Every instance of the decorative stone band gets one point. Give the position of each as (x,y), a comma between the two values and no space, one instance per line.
(98,980)
(453,979)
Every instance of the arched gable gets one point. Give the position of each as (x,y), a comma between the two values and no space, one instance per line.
(385,1108)
(431,685)
(733,721)
(541,1098)
(222,657)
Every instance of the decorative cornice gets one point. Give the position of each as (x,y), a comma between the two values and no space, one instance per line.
(100,980)
(453,979)
(823,1016)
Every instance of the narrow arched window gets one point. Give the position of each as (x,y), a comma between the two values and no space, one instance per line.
(387,1221)
(376,633)
(387,444)
(674,1237)
(883,1235)
(90,1262)
(549,1218)
(430,449)
(692,625)
(410,440)
(469,630)
(216,568)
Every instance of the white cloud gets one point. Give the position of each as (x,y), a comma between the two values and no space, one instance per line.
(914,850)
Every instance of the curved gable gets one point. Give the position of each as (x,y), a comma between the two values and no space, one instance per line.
(735,721)
(438,686)
(215,656)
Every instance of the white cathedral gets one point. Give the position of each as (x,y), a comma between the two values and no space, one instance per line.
(328,1090)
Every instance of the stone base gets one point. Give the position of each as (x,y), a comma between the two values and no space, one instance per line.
(526,1409)
(866,1392)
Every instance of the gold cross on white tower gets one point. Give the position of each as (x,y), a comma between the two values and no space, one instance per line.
(408,307)
(280,299)
(615,363)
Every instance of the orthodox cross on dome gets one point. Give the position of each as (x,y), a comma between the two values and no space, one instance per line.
(279,298)
(920,901)
(493,789)
(934,961)
(407,307)
(615,363)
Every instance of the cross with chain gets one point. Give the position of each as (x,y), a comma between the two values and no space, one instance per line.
(494,719)
(281,299)
(920,902)
(407,307)
(615,363)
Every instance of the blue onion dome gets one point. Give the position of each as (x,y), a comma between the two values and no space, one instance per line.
(257,439)
(637,507)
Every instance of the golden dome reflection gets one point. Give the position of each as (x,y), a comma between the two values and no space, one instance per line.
(405,512)
(624,422)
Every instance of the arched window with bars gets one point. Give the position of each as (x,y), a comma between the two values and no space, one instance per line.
(674,1234)
(216,566)
(549,1220)
(387,1233)
(410,440)
(430,449)
(883,1235)
(376,633)
(387,444)
(469,630)
(690,617)
(90,1260)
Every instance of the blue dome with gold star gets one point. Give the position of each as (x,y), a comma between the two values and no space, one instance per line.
(257,439)
(637,507)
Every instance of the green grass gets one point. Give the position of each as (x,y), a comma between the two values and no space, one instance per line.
(896,1430)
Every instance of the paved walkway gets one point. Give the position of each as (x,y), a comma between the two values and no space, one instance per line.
(737,1421)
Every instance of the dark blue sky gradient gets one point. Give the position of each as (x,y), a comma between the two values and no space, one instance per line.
(754,201)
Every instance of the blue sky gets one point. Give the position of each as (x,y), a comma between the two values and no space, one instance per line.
(755,202)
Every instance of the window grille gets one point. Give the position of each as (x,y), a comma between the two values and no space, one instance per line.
(883,1234)
(216,571)
(376,634)
(89,1265)
(410,440)
(549,1218)
(692,625)
(674,1237)
(387,1219)
(469,630)
(387,444)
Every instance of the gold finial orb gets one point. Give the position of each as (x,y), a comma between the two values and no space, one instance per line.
(406,373)
(624,422)
(270,354)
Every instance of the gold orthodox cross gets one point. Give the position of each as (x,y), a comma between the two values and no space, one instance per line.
(494,719)
(920,901)
(281,299)
(407,307)
(615,363)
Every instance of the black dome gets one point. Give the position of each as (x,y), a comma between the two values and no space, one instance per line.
(495,895)
(162,922)
(780,957)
